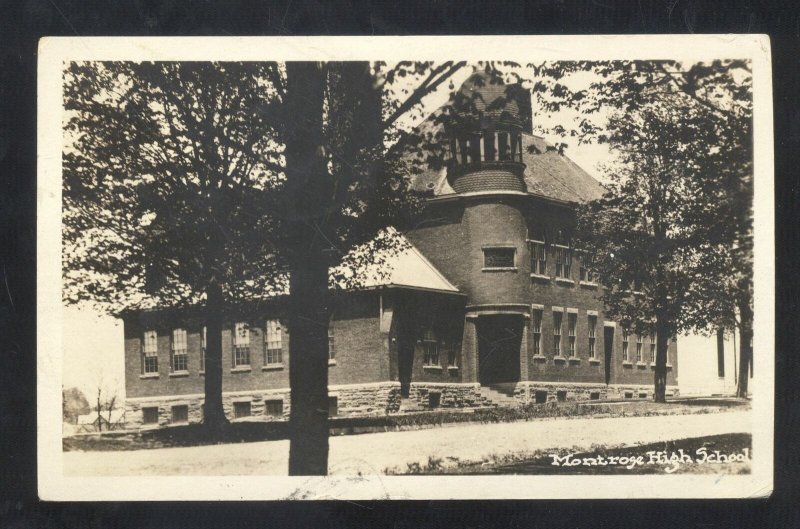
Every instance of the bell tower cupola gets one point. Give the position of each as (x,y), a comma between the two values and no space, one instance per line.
(485,136)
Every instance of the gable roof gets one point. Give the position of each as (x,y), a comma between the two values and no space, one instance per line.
(406,268)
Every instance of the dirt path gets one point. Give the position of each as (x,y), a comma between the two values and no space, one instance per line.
(373,453)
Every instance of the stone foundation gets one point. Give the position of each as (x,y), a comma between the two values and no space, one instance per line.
(449,395)
(528,391)
(357,399)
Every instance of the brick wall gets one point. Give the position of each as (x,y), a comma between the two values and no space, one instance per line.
(357,340)
(453,241)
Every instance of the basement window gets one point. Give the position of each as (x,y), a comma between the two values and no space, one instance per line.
(333,406)
(540,397)
(241,409)
(273,408)
(561,396)
(434,399)
(150,415)
(180,414)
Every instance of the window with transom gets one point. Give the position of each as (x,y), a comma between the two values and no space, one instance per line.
(150,352)
(273,343)
(241,345)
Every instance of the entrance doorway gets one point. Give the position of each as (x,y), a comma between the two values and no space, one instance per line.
(499,341)
(608,348)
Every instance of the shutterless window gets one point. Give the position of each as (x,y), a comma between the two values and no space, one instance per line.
(150,415)
(241,344)
(179,356)
(652,346)
(639,347)
(452,357)
(572,323)
(273,345)
(592,331)
(503,147)
(498,257)
(203,350)
(273,408)
(180,414)
(150,352)
(563,262)
(625,354)
(333,406)
(241,409)
(586,268)
(538,257)
(536,330)
(557,317)
(431,348)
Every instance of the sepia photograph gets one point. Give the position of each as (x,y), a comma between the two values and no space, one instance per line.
(405,267)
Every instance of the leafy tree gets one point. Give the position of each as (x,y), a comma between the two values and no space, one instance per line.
(74,403)
(210,183)
(712,104)
(164,172)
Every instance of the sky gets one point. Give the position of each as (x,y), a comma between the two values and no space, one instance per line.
(93,343)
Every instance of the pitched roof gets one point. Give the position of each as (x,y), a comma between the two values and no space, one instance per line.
(548,173)
(406,268)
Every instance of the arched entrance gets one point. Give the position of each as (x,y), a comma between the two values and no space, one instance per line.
(499,342)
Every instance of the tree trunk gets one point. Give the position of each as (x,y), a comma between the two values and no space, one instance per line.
(745,343)
(308,366)
(660,375)
(213,414)
(309,191)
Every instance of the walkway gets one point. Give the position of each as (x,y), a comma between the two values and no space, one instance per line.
(373,453)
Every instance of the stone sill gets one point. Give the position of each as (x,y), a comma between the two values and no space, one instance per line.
(272,367)
(574,360)
(540,277)
(565,281)
(241,369)
(452,368)
(149,375)
(669,366)
(539,358)
(627,364)
(500,269)
(201,373)
(432,368)
(559,359)
(594,361)
(178,374)
(589,284)
(331,362)
(641,365)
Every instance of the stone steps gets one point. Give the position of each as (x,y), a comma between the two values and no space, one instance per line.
(498,398)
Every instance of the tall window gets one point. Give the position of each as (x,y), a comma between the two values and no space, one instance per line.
(639,347)
(179,356)
(592,330)
(503,148)
(572,323)
(563,262)
(431,348)
(652,346)
(625,353)
(203,351)
(150,352)
(538,258)
(241,344)
(557,317)
(273,345)
(586,273)
(452,357)
(536,329)
(331,342)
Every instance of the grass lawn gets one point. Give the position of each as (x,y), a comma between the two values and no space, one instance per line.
(716,454)
(256,431)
